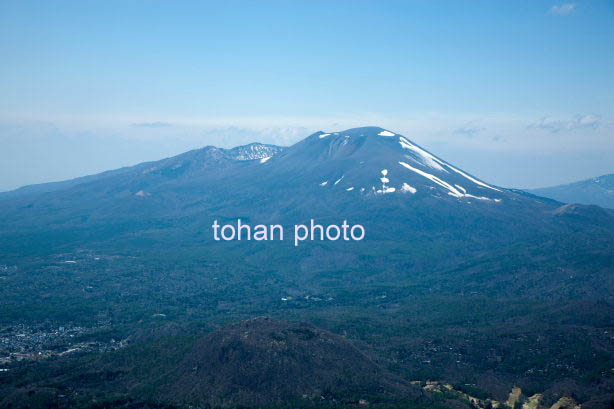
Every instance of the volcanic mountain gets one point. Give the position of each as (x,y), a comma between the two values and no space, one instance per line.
(352,167)
(427,222)
(374,161)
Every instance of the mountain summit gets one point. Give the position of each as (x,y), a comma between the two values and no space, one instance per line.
(374,160)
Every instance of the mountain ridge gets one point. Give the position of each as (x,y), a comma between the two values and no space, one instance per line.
(251,151)
(592,191)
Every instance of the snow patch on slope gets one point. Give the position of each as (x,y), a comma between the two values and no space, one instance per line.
(408,188)
(427,159)
(385,188)
(252,151)
(452,190)
(386,133)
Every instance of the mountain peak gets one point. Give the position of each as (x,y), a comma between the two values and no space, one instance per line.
(364,131)
(375,160)
(254,150)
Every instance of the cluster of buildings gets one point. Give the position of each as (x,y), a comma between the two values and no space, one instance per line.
(23,342)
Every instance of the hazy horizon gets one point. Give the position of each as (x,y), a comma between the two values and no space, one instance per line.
(99,157)
(519,94)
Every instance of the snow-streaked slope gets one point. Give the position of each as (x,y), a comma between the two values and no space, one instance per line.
(378,161)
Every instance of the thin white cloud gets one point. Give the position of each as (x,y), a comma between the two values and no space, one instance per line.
(152,124)
(555,125)
(563,9)
(468,131)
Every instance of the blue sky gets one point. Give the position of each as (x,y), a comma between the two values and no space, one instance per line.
(519,93)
